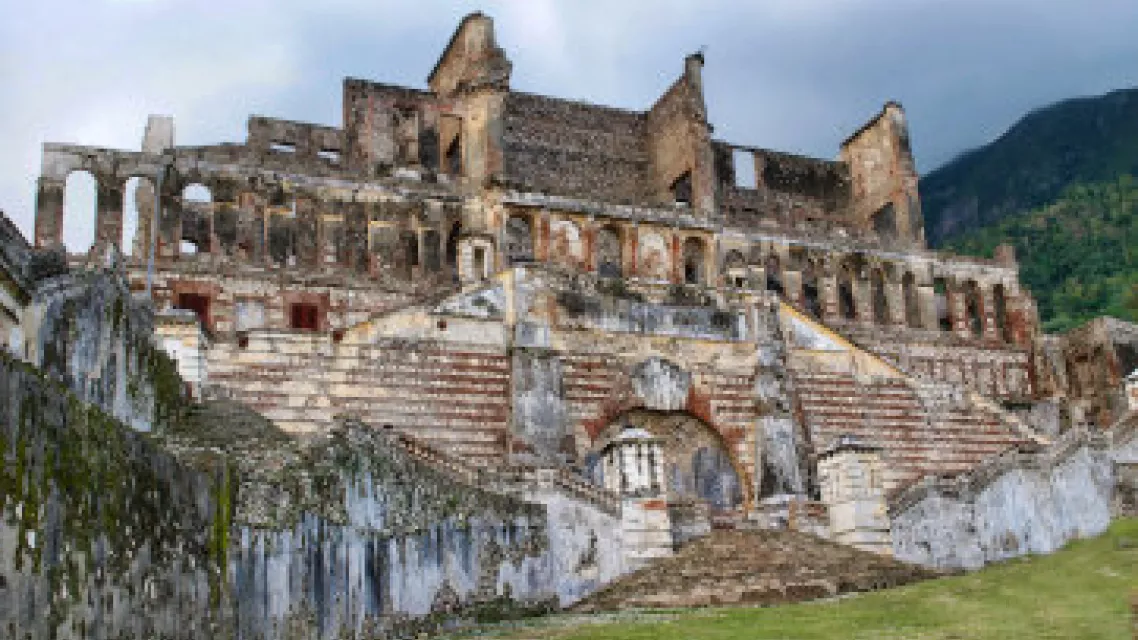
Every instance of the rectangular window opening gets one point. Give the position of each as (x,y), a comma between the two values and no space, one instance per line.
(282,147)
(304,316)
(744,168)
(197,303)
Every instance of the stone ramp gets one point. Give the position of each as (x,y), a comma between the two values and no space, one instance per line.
(753,567)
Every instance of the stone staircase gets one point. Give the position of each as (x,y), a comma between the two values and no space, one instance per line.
(753,567)
(919,435)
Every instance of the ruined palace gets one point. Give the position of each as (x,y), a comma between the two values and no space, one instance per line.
(672,332)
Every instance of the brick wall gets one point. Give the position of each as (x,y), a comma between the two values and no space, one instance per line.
(571,148)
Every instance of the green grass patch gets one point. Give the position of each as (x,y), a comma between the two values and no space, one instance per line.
(1082,591)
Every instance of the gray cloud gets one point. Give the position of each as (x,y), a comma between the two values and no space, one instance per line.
(796,75)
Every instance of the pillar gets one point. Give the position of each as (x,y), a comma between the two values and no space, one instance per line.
(926,302)
(828,292)
(49,211)
(895,302)
(991,330)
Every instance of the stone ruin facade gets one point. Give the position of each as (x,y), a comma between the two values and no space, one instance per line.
(511,282)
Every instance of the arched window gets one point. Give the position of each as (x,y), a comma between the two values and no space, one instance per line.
(846,306)
(693,261)
(452,244)
(518,245)
(943,317)
(79,203)
(973,308)
(774,274)
(735,269)
(609,252)
(197,219)
(810,298)
(912,300)
(880,303)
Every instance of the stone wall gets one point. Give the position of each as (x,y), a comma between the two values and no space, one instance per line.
(244,532)
(86,329)
(571,148)
(1022,502)
(102,534)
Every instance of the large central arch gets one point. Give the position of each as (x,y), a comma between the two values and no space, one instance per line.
(698,464)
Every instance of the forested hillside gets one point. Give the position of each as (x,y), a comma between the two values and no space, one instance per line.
(1078,255)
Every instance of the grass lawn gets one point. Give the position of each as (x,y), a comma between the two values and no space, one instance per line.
(1082,591)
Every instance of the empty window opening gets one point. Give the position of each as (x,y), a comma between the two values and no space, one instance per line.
(79,202)
(410,247)
(880,303)
(282,147)
(452,244)
(609,253)
(744,168)
(681,189)
(846,307)
(479,265)
(774,275)
(885,221)
(810,299)
(519,240)
(943,318)
(431,246)
(973,308)
(329,155)
(197,303)
(693,261)
(454,156)
(197,192)
(740,282)
(188,248)
(304,316)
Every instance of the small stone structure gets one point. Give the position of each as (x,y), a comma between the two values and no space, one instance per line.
(633,467)
(852,480)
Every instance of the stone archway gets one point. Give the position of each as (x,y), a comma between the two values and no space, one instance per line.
(698,464)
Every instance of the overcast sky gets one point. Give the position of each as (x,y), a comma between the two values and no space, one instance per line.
(793,75)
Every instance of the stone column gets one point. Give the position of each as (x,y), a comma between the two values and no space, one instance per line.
(108,211)
(792,288)
(895,302)
(49,211)
(589,244)
(926,303)
(828,292)
(958,310)
(863,300)
(991,330)
(630,255)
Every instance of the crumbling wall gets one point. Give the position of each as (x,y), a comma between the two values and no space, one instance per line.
(102,534)
(244,532)
(86,329)
(1017,504)
(571,148)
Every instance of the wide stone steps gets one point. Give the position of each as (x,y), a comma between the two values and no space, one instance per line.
(916,439)
(753,567)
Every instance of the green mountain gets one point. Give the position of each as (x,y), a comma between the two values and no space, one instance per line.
(1078,255)
(1079,141)
(1061,187)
